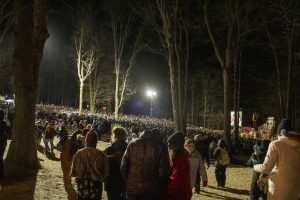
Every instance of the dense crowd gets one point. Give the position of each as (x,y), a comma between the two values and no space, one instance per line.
(147,159)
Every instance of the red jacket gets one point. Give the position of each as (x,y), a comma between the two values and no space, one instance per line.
(179,186)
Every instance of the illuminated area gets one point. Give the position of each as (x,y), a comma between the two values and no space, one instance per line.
(151,94)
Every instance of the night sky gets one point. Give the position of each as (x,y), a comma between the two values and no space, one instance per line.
(151,70)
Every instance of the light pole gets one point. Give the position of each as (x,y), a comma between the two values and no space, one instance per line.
(151,94)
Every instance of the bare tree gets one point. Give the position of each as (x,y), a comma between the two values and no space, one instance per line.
(171,21)
(121,22)
(287,19)
(5,18)
(225,62)
(85,45)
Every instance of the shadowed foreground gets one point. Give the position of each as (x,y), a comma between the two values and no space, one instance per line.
(48,184)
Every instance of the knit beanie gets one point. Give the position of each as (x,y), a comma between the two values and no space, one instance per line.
(198,137)
(176,139)
(91,139)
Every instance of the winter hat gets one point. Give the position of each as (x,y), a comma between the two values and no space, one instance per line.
(157,135)
(198,137)
(85,131)
(283,126)
(91,139)
(176,139)
(1,114)
(89,127)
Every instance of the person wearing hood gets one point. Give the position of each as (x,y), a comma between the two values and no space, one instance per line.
(145,167)
(179,186)
(282,164)
(221,161)
(3,142)
(115,184)
(90,167)
(197,165)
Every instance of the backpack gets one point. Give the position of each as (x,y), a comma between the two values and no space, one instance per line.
(224,157)
(87,187)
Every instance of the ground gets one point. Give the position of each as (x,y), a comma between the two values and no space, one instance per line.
(48,183)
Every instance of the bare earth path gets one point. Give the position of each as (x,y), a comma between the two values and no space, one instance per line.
(48,184)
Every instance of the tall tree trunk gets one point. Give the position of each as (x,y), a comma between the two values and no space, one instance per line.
(174,88)
(92,94)
(289,92)
(236,75)
(205,111)
(280,95)
(226,121)
(193,102)
(117,96)
(80,96)
(30,34)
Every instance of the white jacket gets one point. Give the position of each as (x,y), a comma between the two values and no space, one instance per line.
(196,163)
(282,163)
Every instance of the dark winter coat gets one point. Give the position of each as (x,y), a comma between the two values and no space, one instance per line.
(3,133)
(203,148)
(114,153)
(50,133)
(145,165)
(3,137)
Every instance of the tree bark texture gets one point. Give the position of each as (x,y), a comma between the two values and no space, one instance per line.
(30,34)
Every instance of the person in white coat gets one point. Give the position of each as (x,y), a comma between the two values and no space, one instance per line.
(196,162)
(282,164)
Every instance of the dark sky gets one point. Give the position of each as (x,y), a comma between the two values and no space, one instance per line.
(151,71)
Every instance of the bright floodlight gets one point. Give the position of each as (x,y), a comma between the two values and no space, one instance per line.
(151,93)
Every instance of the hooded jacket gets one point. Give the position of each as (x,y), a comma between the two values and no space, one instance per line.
(114,153)
(282,163)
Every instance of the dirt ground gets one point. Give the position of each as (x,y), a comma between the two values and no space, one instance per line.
(48,184)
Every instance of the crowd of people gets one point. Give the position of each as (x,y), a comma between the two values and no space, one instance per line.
(147,159)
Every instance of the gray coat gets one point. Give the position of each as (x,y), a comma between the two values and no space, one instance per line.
(197,164)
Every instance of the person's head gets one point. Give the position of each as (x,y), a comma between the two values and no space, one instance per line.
(75,133)
(91,139)
(157,135)
(198,138)
(51,126)
(189,145)
(1,115)
(221,143)
(285,129)
(118,134)
(176,142)
(89,127)
(63,127)
(85,131)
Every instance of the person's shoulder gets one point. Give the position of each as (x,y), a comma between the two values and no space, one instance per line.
(196,154)
(80,152)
